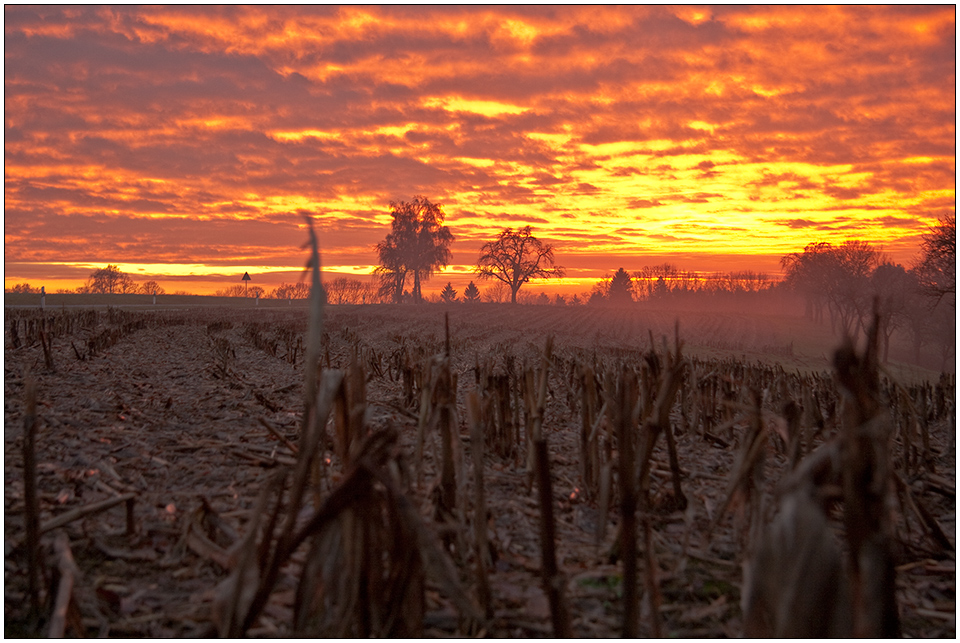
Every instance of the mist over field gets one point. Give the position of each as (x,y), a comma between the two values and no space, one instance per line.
(768,327)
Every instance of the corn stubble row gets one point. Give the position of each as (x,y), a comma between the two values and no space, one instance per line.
(845,446)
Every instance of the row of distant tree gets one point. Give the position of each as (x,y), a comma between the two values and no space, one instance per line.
(850,281)
(104,280)
(664,280)
(341,290)
(111,280)
(616,289)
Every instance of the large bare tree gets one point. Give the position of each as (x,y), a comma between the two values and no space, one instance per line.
(835,278)
(110,280)
(937,268)
(515,257)
(151,288)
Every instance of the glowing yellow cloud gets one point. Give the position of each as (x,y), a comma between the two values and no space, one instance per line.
(482,107)
(297,137)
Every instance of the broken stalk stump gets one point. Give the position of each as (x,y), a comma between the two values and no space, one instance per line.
(626,394)
(553,581)
(480,504)
(31,508)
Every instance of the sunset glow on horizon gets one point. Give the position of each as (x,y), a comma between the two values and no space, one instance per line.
(185,144)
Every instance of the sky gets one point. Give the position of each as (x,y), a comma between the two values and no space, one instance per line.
(186,144)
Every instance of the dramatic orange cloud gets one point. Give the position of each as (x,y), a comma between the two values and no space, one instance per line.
(186,143)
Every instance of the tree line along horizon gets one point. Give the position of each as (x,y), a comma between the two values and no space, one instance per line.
(841,280)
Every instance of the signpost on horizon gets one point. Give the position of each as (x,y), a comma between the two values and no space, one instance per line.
(246,278)
(43,296)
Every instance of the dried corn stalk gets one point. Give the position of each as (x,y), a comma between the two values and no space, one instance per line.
(795,581)
(590,453)
(866,481)
(622,403)
(480,541)
(657,398)
(364,575)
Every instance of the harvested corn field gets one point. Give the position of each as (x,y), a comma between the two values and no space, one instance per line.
(469,470)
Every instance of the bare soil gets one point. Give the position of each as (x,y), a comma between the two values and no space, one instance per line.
(173,411)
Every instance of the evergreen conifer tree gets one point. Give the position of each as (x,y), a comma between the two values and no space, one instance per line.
(448,294)
(471,293)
